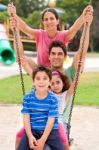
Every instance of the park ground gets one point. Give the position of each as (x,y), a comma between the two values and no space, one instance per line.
(84,123)
(84,127)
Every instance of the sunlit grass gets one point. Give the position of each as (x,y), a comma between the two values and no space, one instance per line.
(87,92)
(88,89)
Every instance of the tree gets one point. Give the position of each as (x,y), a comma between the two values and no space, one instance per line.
(73,9)
(3,16)
(33,19)
(25,7)
(30,10)
(94,40)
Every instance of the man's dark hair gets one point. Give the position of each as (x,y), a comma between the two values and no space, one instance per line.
(58,44)
(41,68)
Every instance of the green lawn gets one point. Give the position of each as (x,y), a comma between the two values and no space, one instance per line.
(87,92)
(10,89)
(94,54)
(88,89)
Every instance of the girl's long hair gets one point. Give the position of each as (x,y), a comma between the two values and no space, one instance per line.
(64,78)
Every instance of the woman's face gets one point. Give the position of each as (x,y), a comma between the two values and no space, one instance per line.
(56,84)
(49,21)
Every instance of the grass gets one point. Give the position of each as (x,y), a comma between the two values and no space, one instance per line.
(88,89)
(87,92)
(94,54)
(11,91)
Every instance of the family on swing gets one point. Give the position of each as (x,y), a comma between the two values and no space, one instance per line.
(43,108)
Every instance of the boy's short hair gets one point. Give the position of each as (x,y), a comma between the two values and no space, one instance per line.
(41,68)
(58,44)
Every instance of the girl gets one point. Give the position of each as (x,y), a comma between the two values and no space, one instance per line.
(43,38)
(61,86)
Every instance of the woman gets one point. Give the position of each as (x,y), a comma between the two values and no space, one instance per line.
(43,38)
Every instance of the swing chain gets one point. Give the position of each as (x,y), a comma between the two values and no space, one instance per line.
(19,61)
(76,78)
(18,56)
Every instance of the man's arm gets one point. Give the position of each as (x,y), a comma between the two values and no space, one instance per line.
(79,22)
(27,63)
(88,20)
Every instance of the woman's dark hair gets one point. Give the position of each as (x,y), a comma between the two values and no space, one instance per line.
(53,11)
(58,44)
(41,68)
(64,78)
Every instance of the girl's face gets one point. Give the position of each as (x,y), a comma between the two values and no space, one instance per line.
(41,81)
(49,21)
(56,84)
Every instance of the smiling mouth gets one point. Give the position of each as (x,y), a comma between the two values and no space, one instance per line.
(50,26)
(55,89)
(56,61)
(41,86)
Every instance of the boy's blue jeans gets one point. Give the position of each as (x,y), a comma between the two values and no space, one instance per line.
(53,140)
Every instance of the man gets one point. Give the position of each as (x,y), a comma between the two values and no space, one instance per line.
(57,53)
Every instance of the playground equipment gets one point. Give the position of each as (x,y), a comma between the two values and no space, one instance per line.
(7,54)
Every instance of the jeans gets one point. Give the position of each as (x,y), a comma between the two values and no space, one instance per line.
(53,141)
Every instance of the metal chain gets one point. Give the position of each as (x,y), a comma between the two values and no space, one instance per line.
(18,56)
(19,61)
(76,78)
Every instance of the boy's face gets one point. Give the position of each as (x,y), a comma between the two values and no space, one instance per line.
(56,57)
(41,81)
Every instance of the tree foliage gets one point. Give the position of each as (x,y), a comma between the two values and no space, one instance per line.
(73,9)
(25,7)
(3,17)
(34,19)
(30,11)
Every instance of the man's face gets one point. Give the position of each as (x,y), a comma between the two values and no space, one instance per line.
(57,57)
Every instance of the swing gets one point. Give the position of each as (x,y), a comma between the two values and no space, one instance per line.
(71,100)
(70,103)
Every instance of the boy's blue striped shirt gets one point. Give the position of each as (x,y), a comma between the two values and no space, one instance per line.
(40,110)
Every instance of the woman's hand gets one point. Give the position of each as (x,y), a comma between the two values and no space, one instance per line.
(88,10)
(11,9)
(88,19)
(12,15)
(13,22)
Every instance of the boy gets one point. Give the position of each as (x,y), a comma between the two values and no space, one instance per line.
(40,114)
